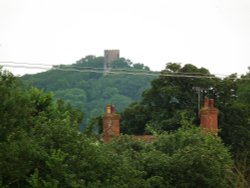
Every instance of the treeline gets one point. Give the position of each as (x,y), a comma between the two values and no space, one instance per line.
(41,146)
(84,85)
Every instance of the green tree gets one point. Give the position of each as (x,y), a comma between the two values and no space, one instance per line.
(75,96)
(168,97)
(28,118)
(85,86)
(184,158)
(235,132)
(196,159)
(121,63)
(41,146)
(134,119)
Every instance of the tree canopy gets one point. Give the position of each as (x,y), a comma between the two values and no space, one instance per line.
(84,85)
(41,146)
(174,95)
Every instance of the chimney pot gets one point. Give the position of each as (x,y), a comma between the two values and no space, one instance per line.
(206,102)
(108,109)
(112,109)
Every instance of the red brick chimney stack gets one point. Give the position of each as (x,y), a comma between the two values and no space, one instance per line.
(209,117)
(110,123)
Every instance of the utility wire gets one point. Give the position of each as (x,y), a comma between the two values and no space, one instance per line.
(102,69)
(139,71)
(150,73)
(113,72)
(68,68)
(59,67)
(27,67)
(24,63)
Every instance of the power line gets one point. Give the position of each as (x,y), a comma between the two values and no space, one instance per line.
(68,68)
(141,71)
(102,69)
(24,63)
(26,67)
(59,67)
(113,71)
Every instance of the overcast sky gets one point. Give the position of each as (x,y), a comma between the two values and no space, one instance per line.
(214,34)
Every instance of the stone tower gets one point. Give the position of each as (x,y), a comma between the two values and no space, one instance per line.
(110,124)
(109,57)
(209,117)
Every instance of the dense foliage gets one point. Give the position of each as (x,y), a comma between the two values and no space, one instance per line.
(34,133)
(171,95)
(85,86)
(174,96)
(41,146)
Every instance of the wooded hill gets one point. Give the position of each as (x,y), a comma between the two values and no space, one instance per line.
(41,145)
(168,102)
(84,85)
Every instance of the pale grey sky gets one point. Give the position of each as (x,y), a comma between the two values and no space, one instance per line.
(214,34)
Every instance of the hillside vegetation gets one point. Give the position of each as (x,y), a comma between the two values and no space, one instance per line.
(41,147)
(84,85)
(170,102)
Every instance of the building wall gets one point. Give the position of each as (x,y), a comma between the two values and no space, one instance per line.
(111,55)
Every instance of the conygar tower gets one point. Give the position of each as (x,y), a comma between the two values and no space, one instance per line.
(109,57)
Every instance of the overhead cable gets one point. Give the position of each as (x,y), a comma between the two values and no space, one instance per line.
(67,68)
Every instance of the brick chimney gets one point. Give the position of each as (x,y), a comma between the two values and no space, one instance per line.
(110,123)
(209,117)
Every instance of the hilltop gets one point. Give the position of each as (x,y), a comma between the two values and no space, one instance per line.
(85,85)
